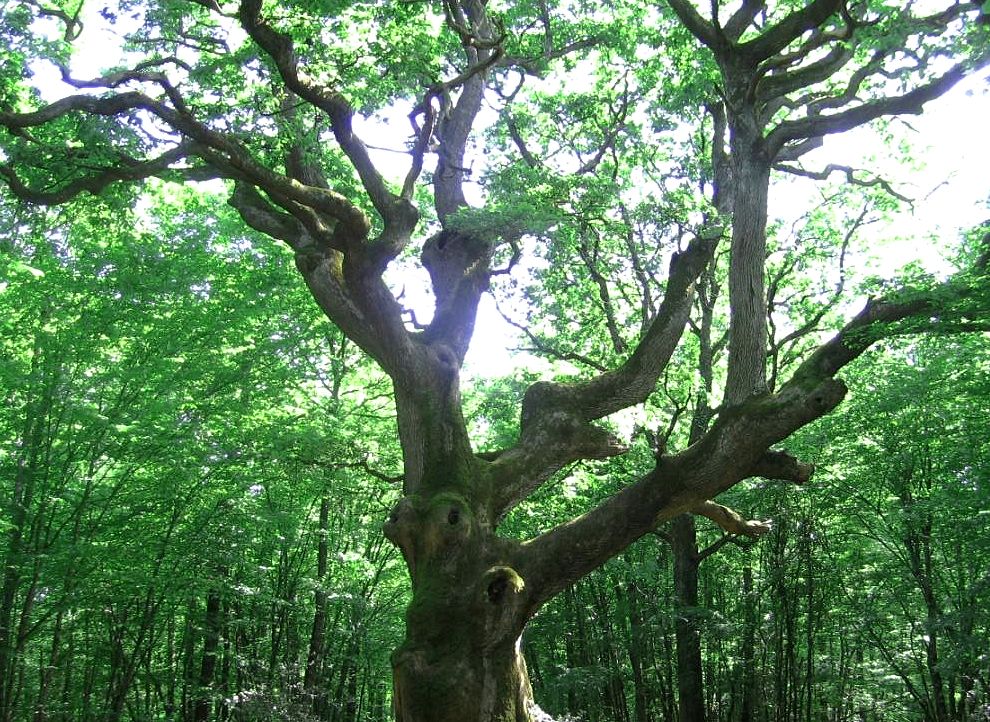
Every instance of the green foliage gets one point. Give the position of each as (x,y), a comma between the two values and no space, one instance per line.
(195,463)
(172,421)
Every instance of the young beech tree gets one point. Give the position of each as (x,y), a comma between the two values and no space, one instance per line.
(272,97)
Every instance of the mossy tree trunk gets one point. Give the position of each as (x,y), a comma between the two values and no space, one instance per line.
(473,590)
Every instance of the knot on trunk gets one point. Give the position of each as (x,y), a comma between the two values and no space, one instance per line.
(501,592)
(502,583)
(400,529)
(452,257)
(431,531)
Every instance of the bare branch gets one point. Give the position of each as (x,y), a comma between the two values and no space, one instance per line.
(540,345)
(127,170)
(909,103)
(536,66)
(590,257)
(438,91)
(73,25)
(618,119)
(556,417)
(399,216)
(731,521)
(811,324)
(517,138)
(737,444)
(850,174)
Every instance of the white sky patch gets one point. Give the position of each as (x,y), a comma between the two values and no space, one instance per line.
(949,183)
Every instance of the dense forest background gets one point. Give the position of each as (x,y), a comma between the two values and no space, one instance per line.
(195,464)
(193,493)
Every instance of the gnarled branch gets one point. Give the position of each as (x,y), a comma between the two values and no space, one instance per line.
(737,444)
(557,415)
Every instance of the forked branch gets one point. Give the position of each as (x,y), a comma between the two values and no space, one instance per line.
(912,102)
(556,424)
(737,444)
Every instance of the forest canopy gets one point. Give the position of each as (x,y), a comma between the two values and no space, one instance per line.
(224,393)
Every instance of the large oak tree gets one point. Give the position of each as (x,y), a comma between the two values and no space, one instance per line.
(272,98)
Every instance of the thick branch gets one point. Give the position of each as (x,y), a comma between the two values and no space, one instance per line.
(699,27)
(781,466)
(217,148)
(909,103)
(265,218)
(398,214)
(730,520)
(556,418)
(742,18)
(736,445)
(679,483)
(459,265)
(790,29)
(778,84)
(128,170)
(482,49)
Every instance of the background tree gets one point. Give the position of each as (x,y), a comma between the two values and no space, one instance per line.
(159,520)
(271,100)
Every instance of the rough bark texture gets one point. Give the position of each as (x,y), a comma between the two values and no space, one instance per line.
(461,658)
(472,590)
(747,302)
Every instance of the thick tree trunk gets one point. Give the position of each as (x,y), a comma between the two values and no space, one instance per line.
(461,660)
(747,296)
(487,685)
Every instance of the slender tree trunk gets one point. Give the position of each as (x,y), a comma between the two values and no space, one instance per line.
(810,620)
(188,661)
(641,692)
(21,500)
(616,694)
(317,641)
(9,588)
(570,650)
(684,543)
(48,671)
(211,638)
(748,651)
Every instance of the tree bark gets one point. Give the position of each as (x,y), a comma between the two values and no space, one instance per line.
(747,296)
(690,683)
(461,659)
(208,664)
